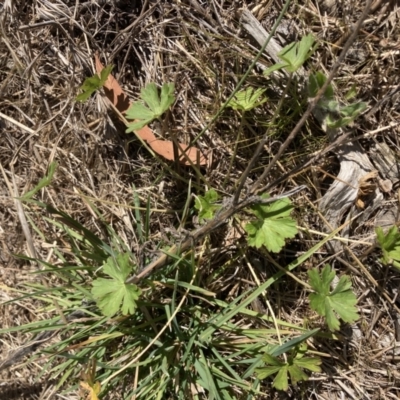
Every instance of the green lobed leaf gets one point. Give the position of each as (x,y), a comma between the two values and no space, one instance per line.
(248,99)
(265,372)
(310,363)
(205,204)
(281,381)
(296,54)
(153,108)
(293,367)
(341,301)
(315,83)
(93,83)
(139,111)
(274,68)
(135,126)
(390,245)
(343,304)
(296,374)
(331,320)
(353,110)
(150,95)
(270,359)
(104,74)
(343,285)
(273,225)
(167,96)
(113,295)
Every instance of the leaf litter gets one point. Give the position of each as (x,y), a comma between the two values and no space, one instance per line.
(91,163)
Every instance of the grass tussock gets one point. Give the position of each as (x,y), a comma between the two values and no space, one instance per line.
(214,310)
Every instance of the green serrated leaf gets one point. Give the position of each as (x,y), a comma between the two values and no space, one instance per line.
(93,83)
(135,126)
(273,225)
(297,374)
(113,295)
(309,363)
(271,360)
(139,111)
(265,372)
(390,245)
(315,83)
(154,106)
(246,100)
(167,96)
(331,320)
(353,110)
(389,240)
(274,68)
(105,72)
(205,205)
(296,54)
(343,285)
(281,381)
(341,301)
(292,368)
(150,95)
(343,304)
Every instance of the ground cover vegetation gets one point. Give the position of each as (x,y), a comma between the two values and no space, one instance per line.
(199,199)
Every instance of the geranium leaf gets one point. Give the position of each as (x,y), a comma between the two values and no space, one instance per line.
(340,302)
(153,106)
(206,206)
(113,295)
(293,367)
(93,83)
(273,225)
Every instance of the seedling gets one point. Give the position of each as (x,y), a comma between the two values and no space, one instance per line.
(206,206)
(294,367)
(272,226)
(246,100)
(94,83)
(337,116)
(110,293)
(341,301)
(390,245)
(154,108)
(294,55)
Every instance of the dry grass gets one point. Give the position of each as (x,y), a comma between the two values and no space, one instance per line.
(46,51)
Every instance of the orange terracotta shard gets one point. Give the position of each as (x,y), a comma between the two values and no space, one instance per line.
(164,148)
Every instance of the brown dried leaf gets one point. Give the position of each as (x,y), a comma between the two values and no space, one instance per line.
(367,183)
(164,148)
(366,186)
